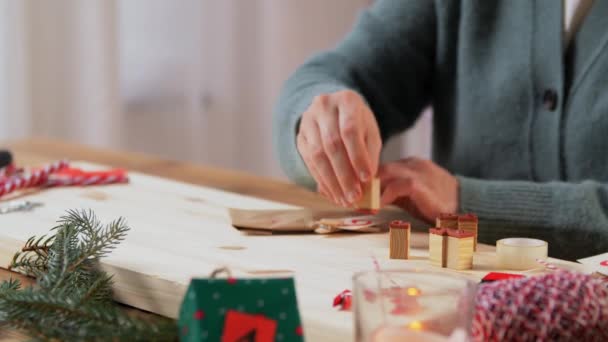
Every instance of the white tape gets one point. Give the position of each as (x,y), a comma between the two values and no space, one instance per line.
(520,253)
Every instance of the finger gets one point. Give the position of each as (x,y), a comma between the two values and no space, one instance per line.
(338,157)
(397,189)
(407,205)
(352,133)
(305,152)
(389,172)
(423,204)
(321,188)
(322,164)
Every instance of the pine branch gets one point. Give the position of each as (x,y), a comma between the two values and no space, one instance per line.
(10,285)
(69,252)
(62,255)
(73,300)
(99,291)
(33,256)
(85,222)
(61,318)
(104,241)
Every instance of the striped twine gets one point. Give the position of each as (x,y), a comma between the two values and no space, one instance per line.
(37,177)
(57,174)
(558,306)
(87,180)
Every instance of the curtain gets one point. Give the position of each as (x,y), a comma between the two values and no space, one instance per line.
(183,79)
(59,70)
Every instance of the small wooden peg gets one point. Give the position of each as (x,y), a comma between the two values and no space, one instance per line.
(370,200)
(399,240)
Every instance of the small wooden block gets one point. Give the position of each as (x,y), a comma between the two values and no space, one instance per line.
(449,221)
(460,250)
(438,246)
(370,200)
(469,223)
(399,240)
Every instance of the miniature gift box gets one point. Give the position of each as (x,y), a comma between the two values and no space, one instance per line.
(438,246)
(459,254)
(469,223)
(449,221)
(399,236)
(231,310)
(451,248)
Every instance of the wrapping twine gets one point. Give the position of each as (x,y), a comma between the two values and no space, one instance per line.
(56,174)
(559,306)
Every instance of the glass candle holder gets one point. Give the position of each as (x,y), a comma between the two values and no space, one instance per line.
(412,305)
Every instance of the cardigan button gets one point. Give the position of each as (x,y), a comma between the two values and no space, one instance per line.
(550,99)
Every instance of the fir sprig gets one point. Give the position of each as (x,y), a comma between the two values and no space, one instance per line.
(72,299)
(32,258)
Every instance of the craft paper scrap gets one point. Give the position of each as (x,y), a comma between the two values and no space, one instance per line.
(307,220)
(598,263)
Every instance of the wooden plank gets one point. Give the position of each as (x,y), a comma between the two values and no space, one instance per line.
(42,150)
(180,231)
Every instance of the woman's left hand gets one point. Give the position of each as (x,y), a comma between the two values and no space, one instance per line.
(420,187)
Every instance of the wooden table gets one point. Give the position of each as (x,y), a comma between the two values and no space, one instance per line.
(40,150)
(37,151)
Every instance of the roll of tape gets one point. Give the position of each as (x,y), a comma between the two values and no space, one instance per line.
(520,253)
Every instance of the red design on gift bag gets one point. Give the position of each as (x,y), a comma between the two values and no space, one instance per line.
(604,263)
(242,327)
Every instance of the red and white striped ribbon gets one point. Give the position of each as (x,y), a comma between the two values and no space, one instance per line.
(84,180)
(7,171)
(35,178)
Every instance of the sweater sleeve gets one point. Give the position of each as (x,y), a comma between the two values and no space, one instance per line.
(571,217)
(388,58)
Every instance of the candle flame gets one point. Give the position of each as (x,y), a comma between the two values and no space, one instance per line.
(415,325)
(412,291)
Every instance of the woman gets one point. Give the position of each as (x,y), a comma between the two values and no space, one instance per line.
(520,122)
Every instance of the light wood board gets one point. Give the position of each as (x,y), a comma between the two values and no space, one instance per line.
(180,231)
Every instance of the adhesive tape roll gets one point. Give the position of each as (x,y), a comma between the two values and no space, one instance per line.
(520,253)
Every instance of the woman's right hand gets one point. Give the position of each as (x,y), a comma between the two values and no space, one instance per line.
(340,143)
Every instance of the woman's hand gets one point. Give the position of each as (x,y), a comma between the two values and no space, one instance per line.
(420,187)
(340,143)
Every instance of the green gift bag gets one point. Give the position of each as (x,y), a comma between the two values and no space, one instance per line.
(240,310)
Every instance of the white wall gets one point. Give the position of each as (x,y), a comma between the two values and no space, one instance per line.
(182,79)
(14,105)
